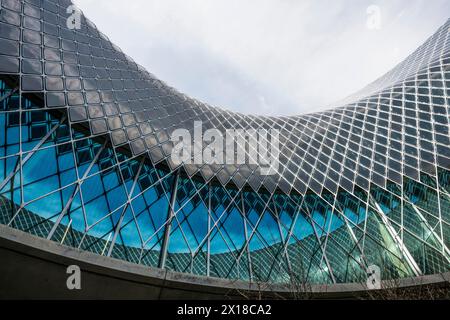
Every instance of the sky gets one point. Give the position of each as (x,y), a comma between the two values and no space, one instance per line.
(267,57)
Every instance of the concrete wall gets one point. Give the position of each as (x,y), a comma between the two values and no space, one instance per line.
(35,268)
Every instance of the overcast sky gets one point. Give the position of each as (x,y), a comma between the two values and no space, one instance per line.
(272,57)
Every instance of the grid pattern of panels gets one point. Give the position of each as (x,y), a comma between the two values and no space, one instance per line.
(364,183)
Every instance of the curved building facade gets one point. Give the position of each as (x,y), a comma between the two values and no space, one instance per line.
(85,161)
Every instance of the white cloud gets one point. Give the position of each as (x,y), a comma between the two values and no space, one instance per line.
(294,56)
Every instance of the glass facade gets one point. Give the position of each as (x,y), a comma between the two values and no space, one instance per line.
(85,161)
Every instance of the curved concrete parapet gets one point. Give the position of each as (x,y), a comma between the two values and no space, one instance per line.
(35,268)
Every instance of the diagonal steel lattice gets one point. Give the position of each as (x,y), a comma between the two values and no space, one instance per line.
(85,160)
